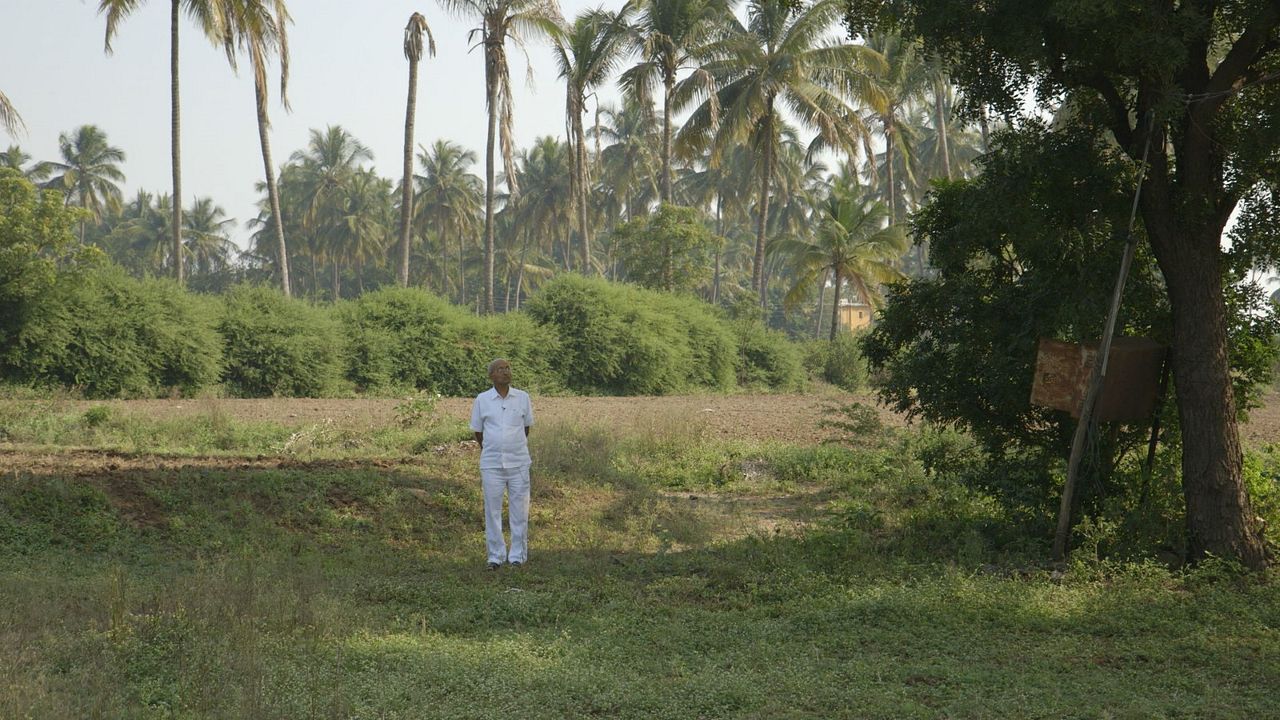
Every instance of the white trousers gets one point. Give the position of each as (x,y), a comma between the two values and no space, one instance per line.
(515,483)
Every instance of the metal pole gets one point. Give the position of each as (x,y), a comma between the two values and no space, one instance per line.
(1099,374)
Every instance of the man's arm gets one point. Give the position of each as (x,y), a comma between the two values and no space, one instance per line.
(480,437)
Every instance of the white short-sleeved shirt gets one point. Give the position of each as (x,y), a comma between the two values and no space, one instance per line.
(503,420)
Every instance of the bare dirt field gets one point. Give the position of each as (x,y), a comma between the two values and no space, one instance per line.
(790,418)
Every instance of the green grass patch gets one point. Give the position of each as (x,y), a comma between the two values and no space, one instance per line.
(671,576)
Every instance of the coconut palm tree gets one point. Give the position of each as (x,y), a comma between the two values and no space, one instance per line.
(206,236)
(500,21)
(10,120)
(905,79)
(629,165)
(855,242)
(88,172)
(545,207)
(331,157)
(259,29)
(358,225)
(783,58)
(139,240)
(413,53)
(672,36)
(449,198)
(586,53)
(15,158)
(207,15)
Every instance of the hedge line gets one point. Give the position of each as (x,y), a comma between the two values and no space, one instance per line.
(109,335)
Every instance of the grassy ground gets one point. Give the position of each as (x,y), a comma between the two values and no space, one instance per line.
(214,568)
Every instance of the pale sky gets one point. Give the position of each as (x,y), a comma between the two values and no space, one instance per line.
(347,68)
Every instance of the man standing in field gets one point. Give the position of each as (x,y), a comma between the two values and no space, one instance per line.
(501,417)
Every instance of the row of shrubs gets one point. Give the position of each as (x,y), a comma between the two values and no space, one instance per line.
(110,335)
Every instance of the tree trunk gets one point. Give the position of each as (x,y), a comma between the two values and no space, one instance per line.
(939,99)
(462,271)
(835,304)
(888,165)
(580,158)
(520,274)
(822,300)
(766,172)
(668,84)
(715,284)
(406,192)
(491,91)
(337,281)
(1219,519)
(175,133)
(273,192)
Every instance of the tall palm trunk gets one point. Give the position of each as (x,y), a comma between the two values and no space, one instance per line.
(273,192)
(822,301)
(337,281)
(766,173)
(889,150)
(939,99)
(668,83)
(491,98)
(580,160)
(175,133)
(462,271)
(715,283)
(835,303)
(406,192)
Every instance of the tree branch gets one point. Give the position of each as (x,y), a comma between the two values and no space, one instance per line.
(1247,51)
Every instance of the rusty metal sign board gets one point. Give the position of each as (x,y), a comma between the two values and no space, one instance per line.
(1132,383)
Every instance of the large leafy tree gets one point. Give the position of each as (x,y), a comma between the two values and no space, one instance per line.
(501,21)
(586,53)
(1196,82)
(88,172)
(207,15)
(413,48)
(783,58)
(260,30)
(672,36)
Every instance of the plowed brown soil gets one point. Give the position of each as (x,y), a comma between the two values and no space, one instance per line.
(789,418)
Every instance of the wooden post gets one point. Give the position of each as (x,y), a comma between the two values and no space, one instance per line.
(1099,373)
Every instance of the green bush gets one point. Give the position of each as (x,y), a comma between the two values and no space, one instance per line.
(403,338)
(838,361)
(111,335)
(410,339)
(276,346)
(766,358)
(590,329)
(626,340)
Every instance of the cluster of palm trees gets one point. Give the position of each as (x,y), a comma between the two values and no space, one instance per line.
(769,94)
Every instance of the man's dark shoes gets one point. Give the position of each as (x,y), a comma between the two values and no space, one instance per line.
(516,563)
(492,566)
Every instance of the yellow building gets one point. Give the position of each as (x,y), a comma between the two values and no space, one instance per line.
(854,315)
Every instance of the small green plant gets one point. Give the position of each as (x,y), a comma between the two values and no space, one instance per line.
(418,411)
(97,415)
